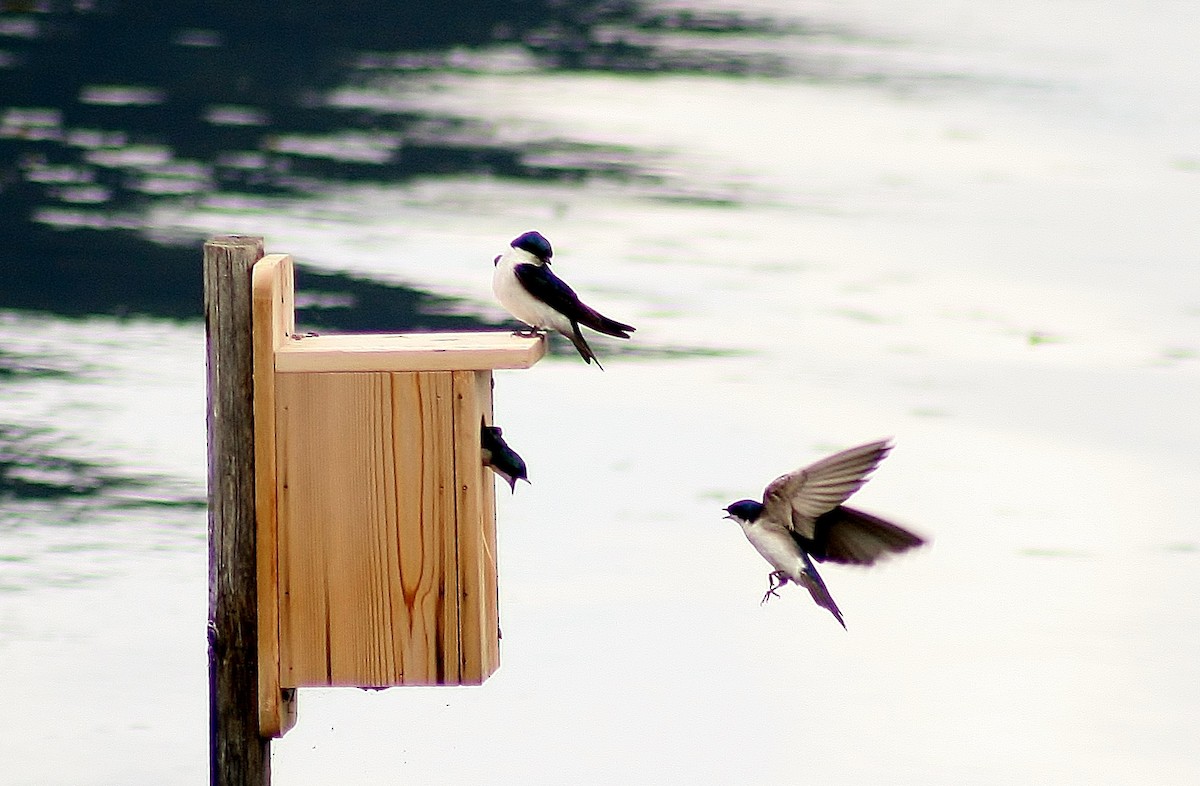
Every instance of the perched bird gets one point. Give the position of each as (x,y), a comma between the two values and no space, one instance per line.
(802,518)
(525,285)
(503,460)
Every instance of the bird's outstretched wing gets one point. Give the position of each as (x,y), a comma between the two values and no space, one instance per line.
(541,282)
(853,537)
(800,497)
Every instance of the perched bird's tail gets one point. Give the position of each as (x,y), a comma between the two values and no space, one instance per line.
(601,324)
(820,593)
(512,481)
(584,350)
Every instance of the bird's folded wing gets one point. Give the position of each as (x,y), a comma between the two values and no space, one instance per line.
(602,324)
(540,282)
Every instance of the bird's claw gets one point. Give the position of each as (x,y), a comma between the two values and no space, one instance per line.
(775,581)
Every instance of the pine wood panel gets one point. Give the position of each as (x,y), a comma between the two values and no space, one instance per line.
(477,530)
(479,351)
(379,520)
(273,313)
(385,566)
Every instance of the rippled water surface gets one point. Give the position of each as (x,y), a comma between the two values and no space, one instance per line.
(969,228)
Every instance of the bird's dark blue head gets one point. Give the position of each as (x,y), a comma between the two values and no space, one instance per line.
(535,244)
(744,509)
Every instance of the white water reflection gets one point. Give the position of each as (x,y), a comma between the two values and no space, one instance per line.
(997,267)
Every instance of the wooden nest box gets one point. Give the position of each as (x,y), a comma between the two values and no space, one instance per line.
(376,516)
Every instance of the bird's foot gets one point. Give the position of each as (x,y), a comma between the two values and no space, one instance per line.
(530,332)
(775,580)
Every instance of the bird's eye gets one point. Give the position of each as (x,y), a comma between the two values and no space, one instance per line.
(496,261)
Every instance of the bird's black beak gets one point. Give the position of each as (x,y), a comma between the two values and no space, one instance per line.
(496,261)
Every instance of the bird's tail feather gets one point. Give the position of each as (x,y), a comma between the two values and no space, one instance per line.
(820,593)
(582,346)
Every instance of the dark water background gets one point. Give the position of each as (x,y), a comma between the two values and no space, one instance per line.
(107,108)
(110,106)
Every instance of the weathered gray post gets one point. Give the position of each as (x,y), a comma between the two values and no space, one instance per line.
(237,754)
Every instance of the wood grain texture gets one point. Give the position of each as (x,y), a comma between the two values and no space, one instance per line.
(476,541)
(410,352)
(237,753)
(380,478)
(384,570)
(274,322)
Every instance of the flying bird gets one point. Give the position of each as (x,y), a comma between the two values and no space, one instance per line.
(503,460)
(802,518)
(525,285)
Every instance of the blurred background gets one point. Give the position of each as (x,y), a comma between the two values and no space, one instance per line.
(970,227)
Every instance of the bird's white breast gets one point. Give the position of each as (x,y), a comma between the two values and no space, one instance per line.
(513,295)
(775,545)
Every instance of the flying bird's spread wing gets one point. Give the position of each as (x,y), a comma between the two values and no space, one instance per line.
(799,498)
(852,537)
(802,519)
(541,282)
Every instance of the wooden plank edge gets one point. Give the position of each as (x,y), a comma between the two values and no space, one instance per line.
(467,474)
(273,321)
(491,585)
(316,355)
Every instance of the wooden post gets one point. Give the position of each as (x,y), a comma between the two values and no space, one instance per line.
(237,753)
(351,519)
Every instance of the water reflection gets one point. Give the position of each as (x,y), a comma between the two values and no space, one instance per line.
(73,274)
(111,108)
(35,466)
(18,366)
(114,109)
